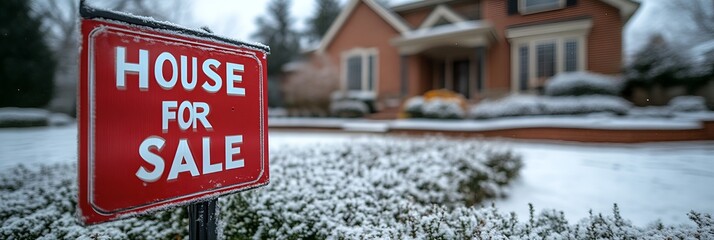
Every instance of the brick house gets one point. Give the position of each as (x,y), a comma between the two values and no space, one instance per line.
(478,48)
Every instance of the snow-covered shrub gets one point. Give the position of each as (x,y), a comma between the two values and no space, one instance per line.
(413,107)
(349,108)
(687,104)
(378,188)
(330,190)
(367,97)
(23,117)
(542,105)
(507,107)
(651,112)
(658,63)
(42,204)
(582,83)
(585,104)
(442,108)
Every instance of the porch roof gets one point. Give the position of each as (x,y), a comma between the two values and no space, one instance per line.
(464,34)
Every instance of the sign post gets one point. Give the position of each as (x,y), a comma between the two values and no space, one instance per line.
(168,117)
(202,220)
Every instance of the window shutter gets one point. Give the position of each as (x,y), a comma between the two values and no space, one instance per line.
(571,3)
(512,7)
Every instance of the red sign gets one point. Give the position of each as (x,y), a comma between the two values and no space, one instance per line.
(166,119)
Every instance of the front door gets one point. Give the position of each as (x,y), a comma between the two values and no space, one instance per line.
(454,75)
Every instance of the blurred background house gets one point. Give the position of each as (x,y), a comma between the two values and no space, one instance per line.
(382,52)
(474,48)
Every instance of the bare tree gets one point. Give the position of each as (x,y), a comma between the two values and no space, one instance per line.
(321,77)
(700,13)
(61,29)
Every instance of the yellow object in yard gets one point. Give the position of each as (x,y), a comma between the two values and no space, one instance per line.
(444,94)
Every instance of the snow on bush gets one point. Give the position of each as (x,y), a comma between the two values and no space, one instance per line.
(524,105)
(687,104)
(413,106)
(349,108)
(582,83)
(23,117)
(41,204)
(354,95)
(442,108)
(375,188)
(330,191)
(318,191)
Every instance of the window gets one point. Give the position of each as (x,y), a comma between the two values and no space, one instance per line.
(533,6)
(541,51)
(535,60)
(546,60)
(359,70)
(523,67)
(571,55)
(354,73)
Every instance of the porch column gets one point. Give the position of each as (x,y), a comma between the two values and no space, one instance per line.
(404,73)
(480,66)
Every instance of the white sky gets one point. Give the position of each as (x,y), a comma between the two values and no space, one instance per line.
(236,19)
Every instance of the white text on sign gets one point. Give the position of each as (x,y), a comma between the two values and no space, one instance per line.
(186,114)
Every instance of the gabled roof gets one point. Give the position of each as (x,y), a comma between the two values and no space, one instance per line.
(441,11)
(395,21)
(627,7)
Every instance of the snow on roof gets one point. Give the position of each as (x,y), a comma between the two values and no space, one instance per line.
(446,29)
(390,17)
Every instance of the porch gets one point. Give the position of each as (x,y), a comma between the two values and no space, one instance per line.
(451,56)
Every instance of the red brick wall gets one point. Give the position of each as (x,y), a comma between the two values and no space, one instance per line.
(604,50)
(416,17)
(364,28)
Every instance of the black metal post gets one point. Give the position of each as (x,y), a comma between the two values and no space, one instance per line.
(202,220)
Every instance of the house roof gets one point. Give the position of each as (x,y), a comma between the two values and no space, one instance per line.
(627,9)
(395,21)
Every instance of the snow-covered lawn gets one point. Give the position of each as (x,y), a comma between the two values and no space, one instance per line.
(648,181)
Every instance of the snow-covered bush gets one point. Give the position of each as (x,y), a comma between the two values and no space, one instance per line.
(442,108)
(349,108)
(542,105)
(687,104)
(23,117)
(658,63)
(332,190)
(413,107)
(583,83)
(42,203)
(440,104)
(507,107)
(349,101)
(377,188)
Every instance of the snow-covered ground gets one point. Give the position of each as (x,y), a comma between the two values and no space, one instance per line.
(648,181)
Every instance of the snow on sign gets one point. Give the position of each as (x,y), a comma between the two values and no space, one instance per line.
(167,116)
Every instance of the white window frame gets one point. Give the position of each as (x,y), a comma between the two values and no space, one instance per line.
(364,54)
(523,9)
(559,32)
(532,44)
